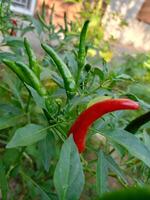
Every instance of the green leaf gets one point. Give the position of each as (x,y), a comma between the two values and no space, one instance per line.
(133,193)
(68,176)
(37,98)
(102,174)
(69,57)
(40,190)
(46,149)
(14,41)
(123,77)
(115,168)
(26,30)
(7,55)
(13,86)
(143,104)
(146,138)
(9,121)
(3,181)
(10,157)
(27,135)
(99,73)
(9,109)
(57,79)
(130,142)
(35,23)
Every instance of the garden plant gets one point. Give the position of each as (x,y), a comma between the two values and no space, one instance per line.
(70,128)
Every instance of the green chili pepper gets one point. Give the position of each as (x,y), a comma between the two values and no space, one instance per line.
(34,65)
(82,49)
(26,75)
(17,70)
(68,79)
(34,81)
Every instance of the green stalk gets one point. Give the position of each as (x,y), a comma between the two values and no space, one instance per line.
(42,21)
(43,10)
(65,23)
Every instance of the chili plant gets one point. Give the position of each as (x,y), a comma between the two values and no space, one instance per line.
(6,23)
(46,113)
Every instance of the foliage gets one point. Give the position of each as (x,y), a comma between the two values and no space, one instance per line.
(5,16)
(38,160)
(129,193)
(137,66)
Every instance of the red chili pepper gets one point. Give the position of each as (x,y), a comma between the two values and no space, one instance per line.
(13,33)
(14,23)
(87,117)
